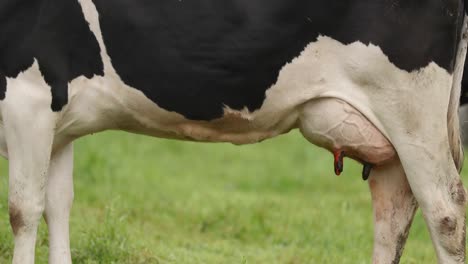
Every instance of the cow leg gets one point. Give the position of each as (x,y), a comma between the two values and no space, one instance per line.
(418,129)
(29,151)
(439,191)
(59,199)
(394,207)
(29,125)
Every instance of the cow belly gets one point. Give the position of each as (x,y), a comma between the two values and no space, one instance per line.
(337,126)
(106,102)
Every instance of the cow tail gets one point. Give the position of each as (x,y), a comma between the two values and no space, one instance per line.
(454,104)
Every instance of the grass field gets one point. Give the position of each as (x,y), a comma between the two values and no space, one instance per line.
(147,200)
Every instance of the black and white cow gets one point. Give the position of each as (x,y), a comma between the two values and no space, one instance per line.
(375,80)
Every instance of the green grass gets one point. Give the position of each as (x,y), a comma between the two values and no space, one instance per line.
(147,200)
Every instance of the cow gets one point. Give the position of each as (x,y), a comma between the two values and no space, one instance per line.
(377,81)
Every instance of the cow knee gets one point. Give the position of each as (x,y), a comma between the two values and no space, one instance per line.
(24,215)
(448,226)
(450,221)
(16,218)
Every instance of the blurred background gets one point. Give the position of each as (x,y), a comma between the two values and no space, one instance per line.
(147,200)
(464,123)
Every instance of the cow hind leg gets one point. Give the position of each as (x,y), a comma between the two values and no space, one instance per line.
(439,191)
(417,127)
(394,207)
(59,199)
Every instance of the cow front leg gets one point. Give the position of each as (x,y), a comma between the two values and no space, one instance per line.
(29,125)
(29,147)
(59,199)
(394,207)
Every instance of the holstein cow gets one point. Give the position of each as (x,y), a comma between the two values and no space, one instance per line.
(374,80)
